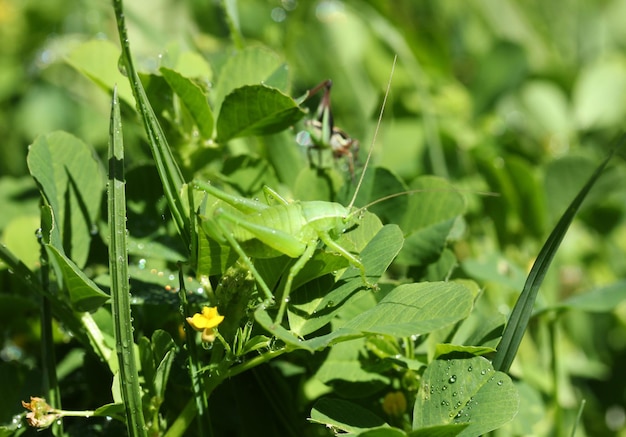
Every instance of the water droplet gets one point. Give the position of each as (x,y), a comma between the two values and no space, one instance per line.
(454,394)
(500,382)
(483,372)
(444,387)
(458,415)
(470,368)
(452,379)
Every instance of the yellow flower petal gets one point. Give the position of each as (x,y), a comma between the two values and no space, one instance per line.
(209,318)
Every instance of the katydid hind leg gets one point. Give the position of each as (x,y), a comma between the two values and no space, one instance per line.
(352,259)
(293,272)
(269,297)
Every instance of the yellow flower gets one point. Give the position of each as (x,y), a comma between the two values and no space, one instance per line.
(206,322)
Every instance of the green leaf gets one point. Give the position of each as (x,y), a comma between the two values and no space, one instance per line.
(98,60)
(256,110)
(111,410)
(251,66)
(344,415)
(429,220)
(85,295)
(444,349)
(439,430)
(193,98)
(71,178)
(465,391)
(599,300)
(383,432)
(600,92)
(414,309)
(343,363)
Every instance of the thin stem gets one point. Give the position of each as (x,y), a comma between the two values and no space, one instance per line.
(200,396)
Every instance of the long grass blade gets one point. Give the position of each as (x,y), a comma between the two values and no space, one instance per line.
(120,286)
(518,321)
(169,172)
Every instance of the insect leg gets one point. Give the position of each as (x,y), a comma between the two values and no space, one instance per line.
(354,260)
(269,297)
(293,271)
(272,195)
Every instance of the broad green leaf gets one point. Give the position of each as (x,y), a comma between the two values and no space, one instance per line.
(465,391)
(599,300)
(343,363)
(563,178)
(451,430)
(256,110)
(317,184)
(85,295)
(17,199)
(251,66)
(19,237)
(193,65)
(193,98)
(377,185)
(344,415)
(600,93)
(444,349)
(548,109)
(98,60)
(429,220)
(71,178)
(111,410)
(383,432)
(414,309)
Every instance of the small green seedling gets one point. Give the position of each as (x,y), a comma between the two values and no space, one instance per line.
(322,134)
(287,228)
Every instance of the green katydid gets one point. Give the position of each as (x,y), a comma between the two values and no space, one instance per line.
(287,228)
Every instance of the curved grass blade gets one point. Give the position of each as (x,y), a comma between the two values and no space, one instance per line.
(518,321)
(120,286)
(169,172)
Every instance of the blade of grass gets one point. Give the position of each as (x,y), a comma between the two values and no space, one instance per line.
(518,321)
(169,172)
(120,286)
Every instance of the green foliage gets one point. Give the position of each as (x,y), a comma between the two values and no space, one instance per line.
(401,311)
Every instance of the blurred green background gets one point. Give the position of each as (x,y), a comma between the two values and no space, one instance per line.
(520,98)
